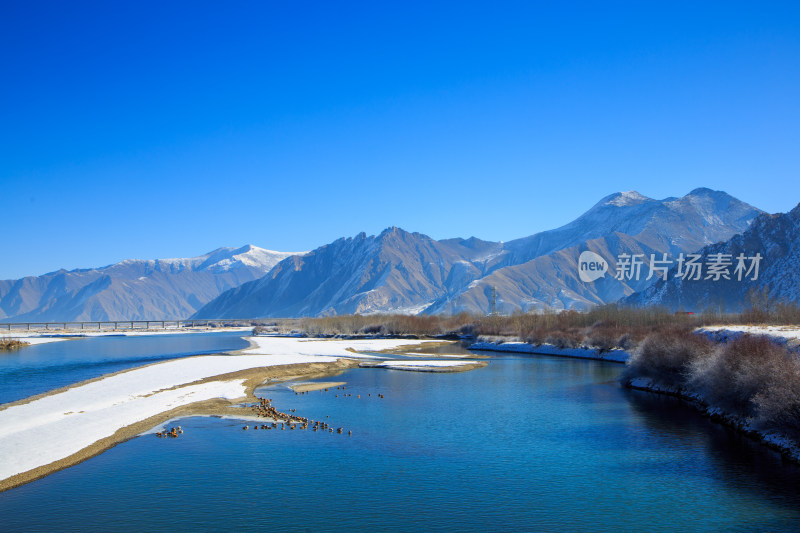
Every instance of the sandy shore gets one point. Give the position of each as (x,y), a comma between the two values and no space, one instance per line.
(319,385)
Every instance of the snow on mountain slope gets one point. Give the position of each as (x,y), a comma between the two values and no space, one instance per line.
(395,270)
(398,271)
(775,237)
(540,272)
(701,217)
(134,289)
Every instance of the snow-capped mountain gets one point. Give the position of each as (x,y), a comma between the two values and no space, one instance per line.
(775,237)
(134,289)
(540,271)
(395,271)
(398,271)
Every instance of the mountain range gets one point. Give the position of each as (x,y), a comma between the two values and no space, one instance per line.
(133,289)
(395,271)
(401,272)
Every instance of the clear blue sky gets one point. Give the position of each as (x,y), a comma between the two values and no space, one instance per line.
(167,129)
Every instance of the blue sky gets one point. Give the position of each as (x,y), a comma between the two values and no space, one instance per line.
(167,129)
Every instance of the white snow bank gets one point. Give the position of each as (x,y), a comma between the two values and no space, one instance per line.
(788,336)
(334,347)
(616,356)
(792,332)
(453,355)
(30,339)
(47,435)
(395,363)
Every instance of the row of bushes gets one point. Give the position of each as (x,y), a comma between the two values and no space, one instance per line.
(751,377)
(603,322)
(603,328)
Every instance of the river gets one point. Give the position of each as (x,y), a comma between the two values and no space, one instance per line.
(529,443)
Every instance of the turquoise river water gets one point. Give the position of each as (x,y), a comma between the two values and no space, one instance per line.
(529,443)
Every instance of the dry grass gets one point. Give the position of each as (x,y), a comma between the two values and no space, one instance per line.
(12,344)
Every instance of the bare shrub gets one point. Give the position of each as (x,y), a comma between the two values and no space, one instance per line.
(605,337)
(625,341)
(667,355)
(565,338)
(734,373)
(372,329)
(778,404)
(260,330)
(536,336)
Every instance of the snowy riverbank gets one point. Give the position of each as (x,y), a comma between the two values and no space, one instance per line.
(39,337)
(615,355)
(788,336)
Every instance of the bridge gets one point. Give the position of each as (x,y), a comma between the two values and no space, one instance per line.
(126,325)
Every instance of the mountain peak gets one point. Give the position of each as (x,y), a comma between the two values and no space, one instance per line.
(394,231)
(705,191)
(625,198)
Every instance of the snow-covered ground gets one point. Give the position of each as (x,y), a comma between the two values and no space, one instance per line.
(39,337)
(404,363)
(31,339)
(617,356)
(446,355)
(54,427)
(784,332)
(333,347)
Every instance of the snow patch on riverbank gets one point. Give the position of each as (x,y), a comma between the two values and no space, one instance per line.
(425,366)
(616,355)
(332,347)
(43,432)
(391,364)
(788,336)
(31,339)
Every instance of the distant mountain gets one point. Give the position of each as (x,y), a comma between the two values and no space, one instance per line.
(403,272)
(540,272)
(775,237)
(133,289)
(395,271)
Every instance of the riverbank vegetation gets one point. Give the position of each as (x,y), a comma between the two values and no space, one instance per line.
(751,377)
(11,344)
(601,328)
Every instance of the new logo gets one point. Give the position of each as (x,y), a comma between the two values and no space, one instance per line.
(591,266)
